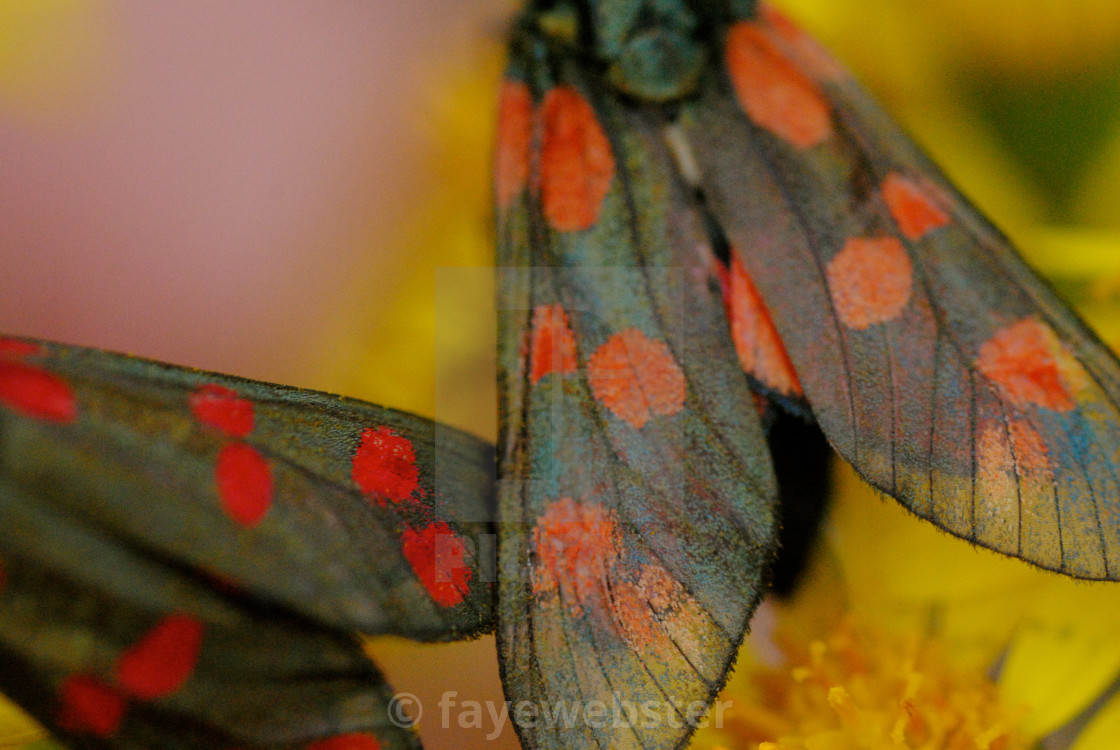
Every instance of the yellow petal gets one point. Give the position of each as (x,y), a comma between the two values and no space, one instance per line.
(1083,265)
(17,729)
(1099,193)
(1027,37)
(1102,731)
(1064,654)
(904,571)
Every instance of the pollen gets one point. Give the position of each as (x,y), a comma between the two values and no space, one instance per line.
(857,687)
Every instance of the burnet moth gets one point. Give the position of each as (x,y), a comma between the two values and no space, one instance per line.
(688,191)
(702,221)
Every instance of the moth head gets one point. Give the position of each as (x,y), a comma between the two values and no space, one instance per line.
(652,50)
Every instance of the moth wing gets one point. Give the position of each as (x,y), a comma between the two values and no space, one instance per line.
(935,361)
(356,516)
(175,663)
(636,497)
(244,529)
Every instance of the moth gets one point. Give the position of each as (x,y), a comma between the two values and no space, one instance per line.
(186,556)
(702,223)
(700,212)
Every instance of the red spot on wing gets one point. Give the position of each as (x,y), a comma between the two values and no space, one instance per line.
(384,465)
(1026,362)
(913,208)
(17,348)
(515,132)
(36,393)
(576,162)
(89,706)
(757,342)
(575,544)
(636,378)
(438,557)
(771,89)
(870,280)
(244,481)
(161,661)
(346,742)
(221,408)
(552,347)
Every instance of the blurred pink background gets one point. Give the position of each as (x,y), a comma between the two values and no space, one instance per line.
(200,182)
(196,182)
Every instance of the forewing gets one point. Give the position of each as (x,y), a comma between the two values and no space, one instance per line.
(356,516)
(636,496)
(935,361)
(244,529)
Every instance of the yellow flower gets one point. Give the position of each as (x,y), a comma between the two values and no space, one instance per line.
(924,619)
(858,688)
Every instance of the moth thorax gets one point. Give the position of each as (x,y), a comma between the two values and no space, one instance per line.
(650,49)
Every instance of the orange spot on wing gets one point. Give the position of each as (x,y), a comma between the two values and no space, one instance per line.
(244,482)
(161,661)
(636,378)
(757,342)
(36,393)
(384,465)
(88,705)
(656,613)
(1025,361)
(575,544)
(1014,489)
(577,165)
(1032,456)
(552,347)
(438,558)
(870,281)
(515,132)
(221,408)
(771,89)
(912,207)
(1025,455)
(997,504)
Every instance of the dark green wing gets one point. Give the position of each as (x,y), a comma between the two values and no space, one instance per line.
(636,495)
(265,523)
(934,360)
